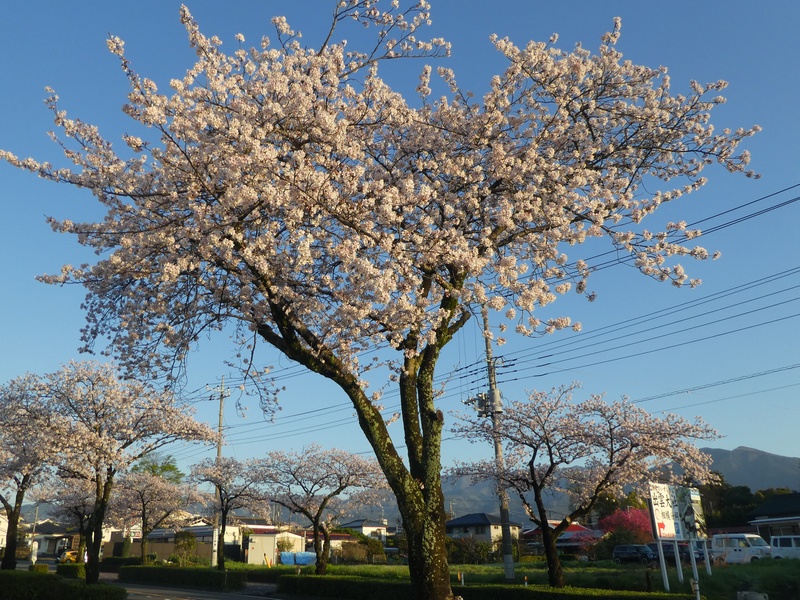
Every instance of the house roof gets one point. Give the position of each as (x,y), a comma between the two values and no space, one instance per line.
(50,528)
(477,519)
(574,528)
(362,523)
(780,505)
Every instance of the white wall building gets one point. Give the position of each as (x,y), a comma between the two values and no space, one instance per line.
(262,548)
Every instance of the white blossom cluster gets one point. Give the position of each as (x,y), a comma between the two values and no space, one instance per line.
(290,190)
(585,449)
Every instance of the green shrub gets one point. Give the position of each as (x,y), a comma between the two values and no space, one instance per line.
(27,585)
(189,560)
(31,585)
(112,564)
(40,568)
(179,576)
(71,570)
(78,590)
(185,547)
(532,558)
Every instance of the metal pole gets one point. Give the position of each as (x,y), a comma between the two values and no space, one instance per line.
(495,407)
(215,531)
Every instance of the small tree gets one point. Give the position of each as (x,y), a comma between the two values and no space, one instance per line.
(162,466)
(111,424)
(586,450)
(315,482)
(185,546)
(73,502)
(28,443)
(284,544)
(155,501)
(237,484)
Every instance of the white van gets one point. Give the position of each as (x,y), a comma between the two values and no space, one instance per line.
(785,546)
(739,548)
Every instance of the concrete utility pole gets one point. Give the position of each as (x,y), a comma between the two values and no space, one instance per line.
(223,393)
(494,406)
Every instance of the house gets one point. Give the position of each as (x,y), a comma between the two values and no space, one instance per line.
(479,526)
(374,529)
(780,515)
(572,540)
(53,538)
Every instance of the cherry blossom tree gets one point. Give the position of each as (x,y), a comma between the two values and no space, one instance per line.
(290,193)
(28,441)
(318,484)
(585,449)
(112,423)
(154,501)
(632,523)
(238,486)
(73,502)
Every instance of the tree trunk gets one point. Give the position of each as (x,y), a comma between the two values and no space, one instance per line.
(321,540)
(10,556)
(555,572)
(223,516)
(12,513)
(93,543)
(145,560)
(424,526)
(94,529)
(417,484)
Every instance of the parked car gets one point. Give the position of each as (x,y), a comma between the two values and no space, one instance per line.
(739,548)
(684,551)
(785,546)
(634,553)
(68,556)
(667,548)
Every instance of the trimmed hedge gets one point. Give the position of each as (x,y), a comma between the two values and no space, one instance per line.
(30,585)
(40,568)
(113,563)
(71,570)
(357,588)
(197,577)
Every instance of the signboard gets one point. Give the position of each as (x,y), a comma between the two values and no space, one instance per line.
(677,512)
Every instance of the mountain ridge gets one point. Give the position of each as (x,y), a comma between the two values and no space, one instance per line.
(756,469)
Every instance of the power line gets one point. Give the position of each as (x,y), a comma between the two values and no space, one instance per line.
(706,386)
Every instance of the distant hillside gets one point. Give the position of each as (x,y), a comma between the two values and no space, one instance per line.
(753,468)
(756,469)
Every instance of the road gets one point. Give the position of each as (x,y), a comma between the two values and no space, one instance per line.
(143,592)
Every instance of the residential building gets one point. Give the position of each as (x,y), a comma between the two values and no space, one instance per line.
(479,526)
(780,515)
(374,529)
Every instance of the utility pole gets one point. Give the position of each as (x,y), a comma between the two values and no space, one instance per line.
(494,406)
(215,541)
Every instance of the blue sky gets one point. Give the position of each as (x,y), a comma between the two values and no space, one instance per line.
(726,351)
